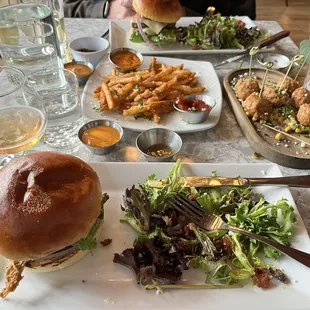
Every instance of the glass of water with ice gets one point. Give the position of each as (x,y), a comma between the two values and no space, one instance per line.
(59,91)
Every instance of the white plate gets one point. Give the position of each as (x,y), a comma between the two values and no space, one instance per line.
(120,37)
(207,77)
(104,279)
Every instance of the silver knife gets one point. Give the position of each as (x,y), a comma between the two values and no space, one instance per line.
(274,38)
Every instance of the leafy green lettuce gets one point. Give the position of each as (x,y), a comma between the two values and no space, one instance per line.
(273,221)
(215,32)
(158,196)
(89,242)
(216,271)
(166,36)
(136,210)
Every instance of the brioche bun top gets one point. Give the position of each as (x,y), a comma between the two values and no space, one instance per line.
(163,11)
(48,201)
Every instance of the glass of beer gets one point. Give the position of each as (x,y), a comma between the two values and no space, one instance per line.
(22,115)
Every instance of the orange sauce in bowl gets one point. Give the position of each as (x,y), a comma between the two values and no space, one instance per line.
(79,69)
(100,136)
(126,59)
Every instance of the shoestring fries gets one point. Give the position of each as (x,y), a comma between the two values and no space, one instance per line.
(148,93)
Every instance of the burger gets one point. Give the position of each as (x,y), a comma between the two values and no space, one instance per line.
(51,213)
(155,21)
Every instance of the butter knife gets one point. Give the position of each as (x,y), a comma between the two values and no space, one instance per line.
(274,38)
(295,181)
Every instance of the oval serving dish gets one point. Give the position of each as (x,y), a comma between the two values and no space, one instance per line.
(261,138)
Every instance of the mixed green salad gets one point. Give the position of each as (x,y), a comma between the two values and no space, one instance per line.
(168,244)
(215,32)
(212,32)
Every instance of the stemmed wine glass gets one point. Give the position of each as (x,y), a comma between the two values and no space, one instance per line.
(22,114)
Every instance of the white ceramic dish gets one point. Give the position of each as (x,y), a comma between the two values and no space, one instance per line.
(104,279)
(120,37)
(279,61)
(99,45)
(173,121)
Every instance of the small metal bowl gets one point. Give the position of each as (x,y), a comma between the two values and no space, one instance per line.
(280,62)
(154,136)
(105,122)
(196,117)
(81,79)
(121,69)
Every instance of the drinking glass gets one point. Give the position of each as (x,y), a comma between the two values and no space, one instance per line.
(28,47)
(22,115)
(23,12)
(59,92)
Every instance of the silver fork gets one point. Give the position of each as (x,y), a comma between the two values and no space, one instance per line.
(210,221)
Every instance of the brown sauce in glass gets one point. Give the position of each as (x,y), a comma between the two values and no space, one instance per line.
(159,150)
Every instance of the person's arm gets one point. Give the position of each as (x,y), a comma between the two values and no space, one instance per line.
(95,8)
(84,8)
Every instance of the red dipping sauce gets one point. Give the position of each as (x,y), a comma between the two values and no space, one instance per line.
(192,105)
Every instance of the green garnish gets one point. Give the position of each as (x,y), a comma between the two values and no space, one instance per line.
(90,242)
(169,244)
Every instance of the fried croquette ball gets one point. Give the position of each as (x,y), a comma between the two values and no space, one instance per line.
(289,85)
(244,88)
(300,96)
(303,115)
(274,96)
(257,107)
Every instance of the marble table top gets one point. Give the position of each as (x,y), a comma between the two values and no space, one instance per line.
(223,143)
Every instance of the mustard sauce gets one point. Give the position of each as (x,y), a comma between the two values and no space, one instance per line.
(100,136)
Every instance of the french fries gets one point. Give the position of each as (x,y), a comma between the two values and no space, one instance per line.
(148,92)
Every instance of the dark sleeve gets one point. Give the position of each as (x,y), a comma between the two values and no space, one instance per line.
(84,8)
(226,8)
(190,12)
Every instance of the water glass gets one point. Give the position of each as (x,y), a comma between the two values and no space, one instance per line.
(59,92)
(22,115)
(28,47)
(23,12)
